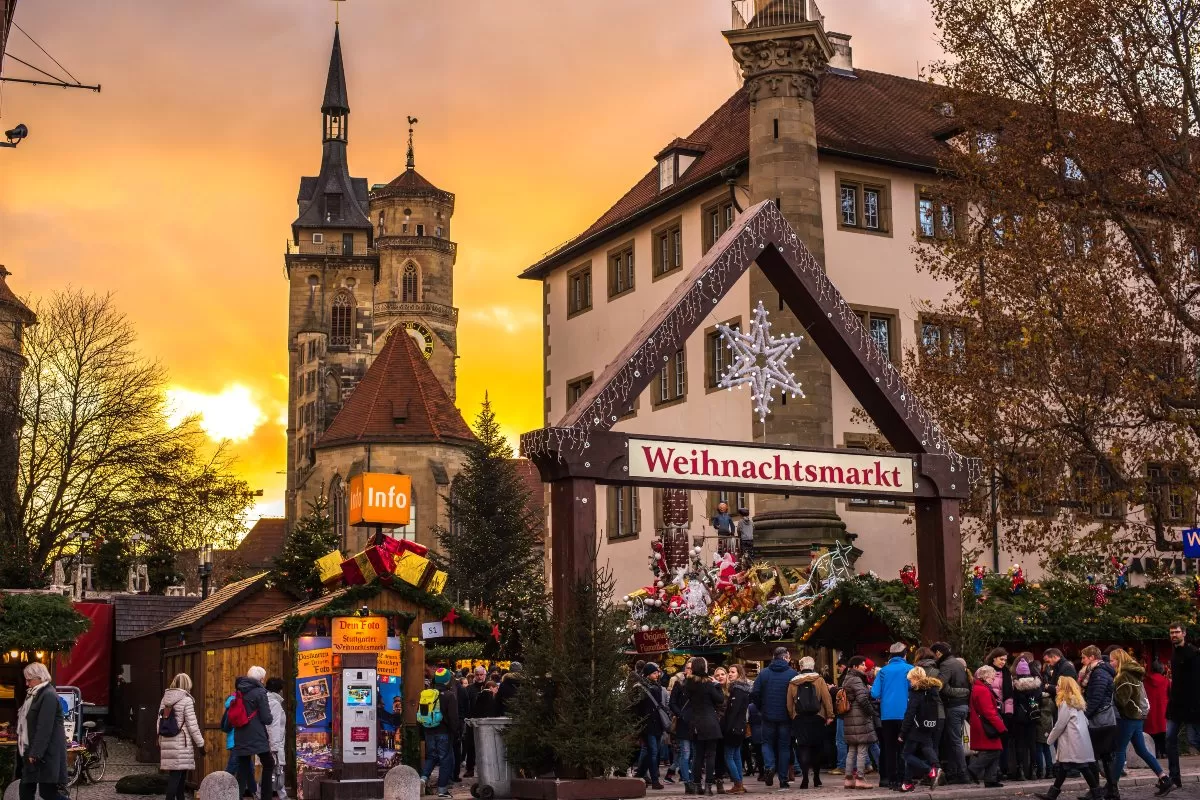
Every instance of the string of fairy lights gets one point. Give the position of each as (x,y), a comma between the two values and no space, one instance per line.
(691,303)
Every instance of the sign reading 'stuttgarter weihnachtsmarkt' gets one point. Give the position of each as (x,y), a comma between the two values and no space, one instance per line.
(845,471)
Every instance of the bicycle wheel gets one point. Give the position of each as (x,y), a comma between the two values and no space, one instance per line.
(97,763)
(75,767)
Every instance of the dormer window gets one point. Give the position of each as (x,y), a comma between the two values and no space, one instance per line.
(333,207)
(674,161)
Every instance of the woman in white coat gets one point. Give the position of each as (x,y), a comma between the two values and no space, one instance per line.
(1071,741)
(276,735)
(177,754)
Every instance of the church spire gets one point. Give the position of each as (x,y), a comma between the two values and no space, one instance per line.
(412,159)
(335,110)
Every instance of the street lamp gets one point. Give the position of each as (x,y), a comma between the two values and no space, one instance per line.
(206,567)
(14,136)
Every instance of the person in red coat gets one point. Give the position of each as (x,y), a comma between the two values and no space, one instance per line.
(1158,689)
(985,738)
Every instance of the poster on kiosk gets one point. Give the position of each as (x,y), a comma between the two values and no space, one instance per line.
(360,738)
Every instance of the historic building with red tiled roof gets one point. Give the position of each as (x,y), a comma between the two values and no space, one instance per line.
(846,154)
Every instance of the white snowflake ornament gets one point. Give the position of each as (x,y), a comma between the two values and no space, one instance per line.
(760,362)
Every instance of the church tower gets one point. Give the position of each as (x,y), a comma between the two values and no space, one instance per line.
(415,289)
(331,265)
(782,49)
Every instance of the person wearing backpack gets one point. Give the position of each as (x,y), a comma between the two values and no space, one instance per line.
(1027,712)
(1132,704)
(811,709)
(437,714)
(179,735)
(919,730)
(249,715)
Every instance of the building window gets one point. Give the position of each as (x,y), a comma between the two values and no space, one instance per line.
(318,238)
(717,355)
(1024,486)
(624,512)
(668,248)
(666,172)
(672,380)
(333,207)
(579,290)
(943,340)
(576,388)
(420,230)
(341,320)
(620,270)
(1092,490)
(860,441)
(864,204)
(881,326)
(438,231)
(408,284)
(717,218)
(1170,494)
(935,218)
(734,500)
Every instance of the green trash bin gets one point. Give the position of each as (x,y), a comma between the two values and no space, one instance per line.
(492,772)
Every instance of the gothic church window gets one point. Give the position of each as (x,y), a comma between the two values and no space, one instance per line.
(408,285)
(342,320)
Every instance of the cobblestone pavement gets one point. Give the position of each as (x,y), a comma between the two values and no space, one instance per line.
(1135,787)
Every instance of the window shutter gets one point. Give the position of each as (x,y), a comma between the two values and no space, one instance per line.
(637,511)
(612,511)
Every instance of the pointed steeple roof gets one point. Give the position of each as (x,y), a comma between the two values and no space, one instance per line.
(336,99)
(9,298)
(398,401)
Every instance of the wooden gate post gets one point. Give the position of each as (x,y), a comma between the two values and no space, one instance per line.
(939,566)
(572,537)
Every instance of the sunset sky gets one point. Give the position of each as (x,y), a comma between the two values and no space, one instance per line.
(175,187)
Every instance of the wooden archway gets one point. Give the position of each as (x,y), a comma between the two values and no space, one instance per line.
(581,451)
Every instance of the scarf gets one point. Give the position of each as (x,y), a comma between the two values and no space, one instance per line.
(22,721)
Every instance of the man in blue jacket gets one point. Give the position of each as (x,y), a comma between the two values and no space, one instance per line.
(769,696)
(891,690)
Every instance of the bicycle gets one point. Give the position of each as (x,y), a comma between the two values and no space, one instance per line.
(89,759)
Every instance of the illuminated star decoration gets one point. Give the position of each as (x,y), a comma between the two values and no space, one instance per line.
(496,633)
(759,361)
(450,617)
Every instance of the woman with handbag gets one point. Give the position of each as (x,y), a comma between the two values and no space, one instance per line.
(987,727)
(737,694)
(41,740)
(1097,679)
(654,719)
(178,735)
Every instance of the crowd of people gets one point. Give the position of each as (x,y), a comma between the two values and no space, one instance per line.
(923,716)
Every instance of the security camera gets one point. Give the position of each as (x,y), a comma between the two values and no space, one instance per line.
(15,135)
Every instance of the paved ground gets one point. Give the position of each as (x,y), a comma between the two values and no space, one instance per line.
(1135,787)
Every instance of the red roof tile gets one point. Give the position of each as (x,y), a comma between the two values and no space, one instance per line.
(399,384)
(869,115)
(262,543)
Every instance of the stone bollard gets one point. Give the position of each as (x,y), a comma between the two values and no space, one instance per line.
(1132,759)
(219,785)
(12,791)
(401,783)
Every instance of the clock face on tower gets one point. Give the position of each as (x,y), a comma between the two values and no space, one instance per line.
(421,335)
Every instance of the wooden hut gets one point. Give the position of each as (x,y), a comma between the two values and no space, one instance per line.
(273,643)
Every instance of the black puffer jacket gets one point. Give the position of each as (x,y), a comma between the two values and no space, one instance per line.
(706,702)
(251,739)
(736,713)
(681,710)
(956,686)
(932,670)
(1099,690)
(921,717)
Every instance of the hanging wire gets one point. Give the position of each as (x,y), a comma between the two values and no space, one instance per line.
(39,47)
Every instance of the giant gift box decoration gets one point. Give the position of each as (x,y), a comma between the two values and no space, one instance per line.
(387,556)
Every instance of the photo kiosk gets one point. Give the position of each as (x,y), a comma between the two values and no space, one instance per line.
(360,737)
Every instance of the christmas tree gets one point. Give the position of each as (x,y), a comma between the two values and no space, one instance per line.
(492,551)
(572,712)
(312,536)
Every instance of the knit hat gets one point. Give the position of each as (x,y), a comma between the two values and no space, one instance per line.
(868,665)
(807,663)
(898,649)
(515,666)
(441,676)
(650,669)
(1023,668)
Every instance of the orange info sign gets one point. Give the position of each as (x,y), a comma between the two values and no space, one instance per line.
(359,634)
(377,498)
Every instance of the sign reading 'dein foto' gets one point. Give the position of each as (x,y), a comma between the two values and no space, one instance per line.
(847,471)
(359,634)
(377,498)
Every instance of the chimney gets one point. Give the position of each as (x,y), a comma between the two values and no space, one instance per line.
(842,60)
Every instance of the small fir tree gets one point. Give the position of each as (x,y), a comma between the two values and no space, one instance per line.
(312,537)
(572,712)
(492,550)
